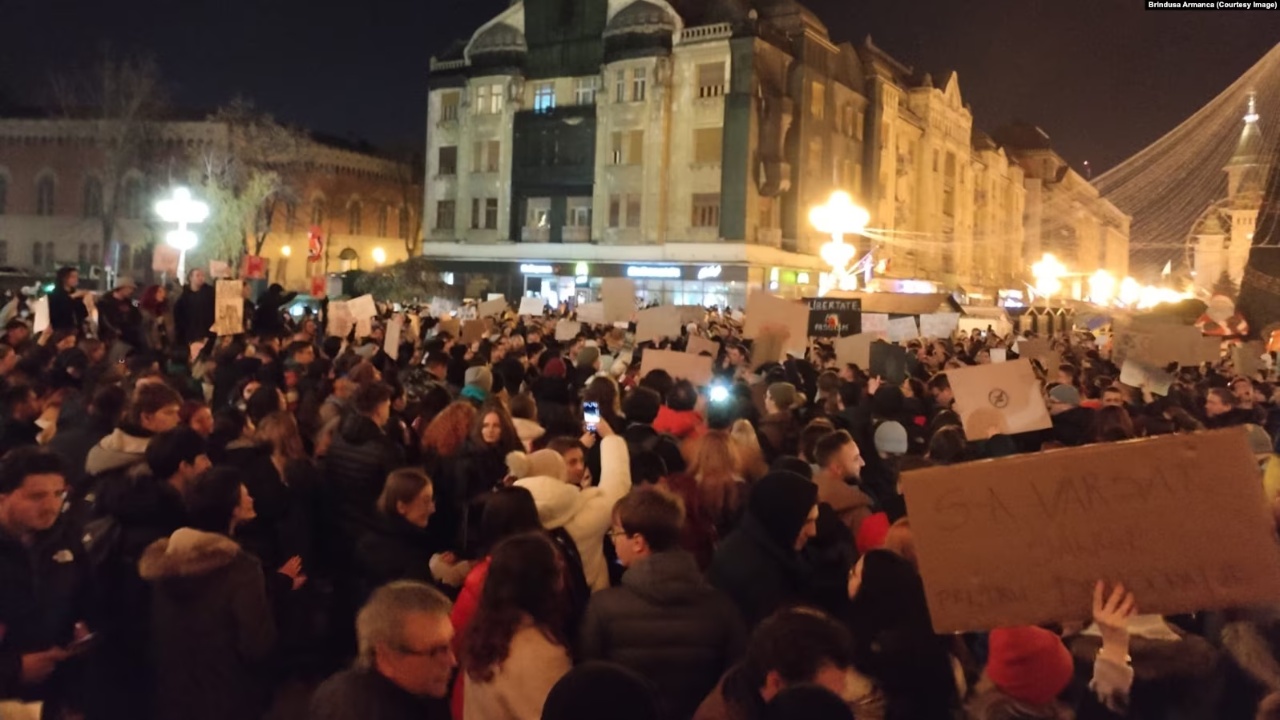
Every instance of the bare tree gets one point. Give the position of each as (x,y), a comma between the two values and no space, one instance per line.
(409,171)
(123,99)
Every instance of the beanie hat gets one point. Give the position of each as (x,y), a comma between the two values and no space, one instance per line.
(479,376)
(780,503)
(585,691)
(554,368)
(807,702)
(587,356)
(544,463)
(783,395)
(872,533)
(1029,664)
(1065,395)
(891,438)
(793,464)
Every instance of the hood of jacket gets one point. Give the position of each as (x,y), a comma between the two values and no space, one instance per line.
(357,429)
(680,423)
(557,500)
(666,578)
(187,553)
(115,451)
(528,430)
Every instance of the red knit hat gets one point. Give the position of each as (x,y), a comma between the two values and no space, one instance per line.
(872,533)
(1029,664)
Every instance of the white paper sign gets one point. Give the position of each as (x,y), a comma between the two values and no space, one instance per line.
(999,355)
(592,313)
(1135,374)
(619,296)
(493,306)
(391,345)
(441,307)
(658,322)
(875,323)
(40,309)
(939,325)
(903,329)
(532,306)
(363,307)
(567,330)
(340,320)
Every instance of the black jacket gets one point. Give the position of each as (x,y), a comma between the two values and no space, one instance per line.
(266,318)
(66,312)
(358,693)
(395,550)
(74,443)
(669,625)
(356,468)
(1073,427)
(757,573)
(43,592)
(120,319)
(212,627)
(643,438)
(17,433)
(193,314)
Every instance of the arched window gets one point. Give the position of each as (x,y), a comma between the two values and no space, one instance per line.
(130,204)
(44,196)
(317,212)
(4,192)
(348,259)
(381,211)
(353,218)
(37,256)
(92,197)
(291,217)
(404,222)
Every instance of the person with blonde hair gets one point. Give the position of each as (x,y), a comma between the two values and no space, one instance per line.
(751,455)
(717,468)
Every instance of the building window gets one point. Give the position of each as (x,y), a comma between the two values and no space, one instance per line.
(579,213)
(404,222)
(44,196)
(493,152)
(4,192)
(131,198)
(620,86)
(489,98)
(95,254)
(935,161)
(92,197)
(615,211)
(4,252)
(317,212)
(633,211)
(624,211)
(817,100)
(544,97)
(628,147)
(539,215)
(711,80)
(639,84)
(445,214)
(708,145)
(448,160)
(706,210)
(475,213)
(584,90)
(449,103)
(815,157)
(37,256)
(491,214)
(382,220)
(857,127)
(353,218)
(49,261)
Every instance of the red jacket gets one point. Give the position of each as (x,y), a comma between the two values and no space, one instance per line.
(463,610)
(683,424)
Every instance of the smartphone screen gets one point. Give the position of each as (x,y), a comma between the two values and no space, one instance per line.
(590,416)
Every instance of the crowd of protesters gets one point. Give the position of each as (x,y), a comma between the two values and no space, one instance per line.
(281,523)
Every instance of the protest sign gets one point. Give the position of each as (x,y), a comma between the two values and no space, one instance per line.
(834,317)
(1247,358)
(592,313)
(415,328)
(532,305)
(768,347)
(219,269)
(999,355)
(9,311)
(453,326)
(391,343)
(888,362)
(694,368)
(903,329)
(567,330)
(228,309)
(1136,374)
(493,306)
(658,322)
(1180,520)
(939,325)
(787,316)
(164,259)
(998,399)
(699,345)
(473,331)
(319,286)
(363,307)
(875,323)
(40,314)
(441,307)
(340,319)
(254,267)
(855,349)
(692,314)
(619,296)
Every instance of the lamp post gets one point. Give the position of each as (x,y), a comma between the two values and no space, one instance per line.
(1048,273)
(839,217)
(183,210)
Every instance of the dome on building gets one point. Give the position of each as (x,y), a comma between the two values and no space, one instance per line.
(641,17)
(500,38)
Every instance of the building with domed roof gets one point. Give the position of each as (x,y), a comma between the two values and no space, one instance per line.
(682,143)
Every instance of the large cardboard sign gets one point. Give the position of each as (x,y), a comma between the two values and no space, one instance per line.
(1180,520)
(228,314)
(939,325)
(888,362)
(658,322)
(619,296)
(363,307)
(473,331)
(592,313)
(391,342)
(1247,358)
(567,330)
(698,345)
(903,329)
(999,399)
(493,307)
(341,321)
(875,323)
(855,350)
(834,317)
(768,348)
(770,311)
(532,306)
(1179,344)
(694,368)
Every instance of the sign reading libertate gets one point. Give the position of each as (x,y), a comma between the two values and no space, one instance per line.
(833,318)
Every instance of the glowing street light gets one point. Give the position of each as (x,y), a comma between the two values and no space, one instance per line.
(840,217)
(183,210)
(1048,273)
(1130,292)
(285,251)
(1102,288)
(379,255)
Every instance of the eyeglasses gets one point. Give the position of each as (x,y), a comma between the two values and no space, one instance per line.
(617,533)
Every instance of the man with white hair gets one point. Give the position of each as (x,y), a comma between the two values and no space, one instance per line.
(405,659)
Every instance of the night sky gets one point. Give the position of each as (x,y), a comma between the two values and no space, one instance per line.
(1102,77)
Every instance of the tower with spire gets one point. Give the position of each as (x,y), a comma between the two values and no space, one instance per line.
(1246,179)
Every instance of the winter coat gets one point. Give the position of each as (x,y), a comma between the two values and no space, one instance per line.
(757,573)
(158,329)
(680,424)
(1073,427)
(119,319)
(266,318)
(586,514)
(529,432)
(444,529)
(282,528)
(356,468)
(362,693)
(779,435)
(644,438)
(119,450)
(478,470)
(193,315)
(669,625)
(395,550)
(17,433)
(66,312)
(42,596)
(850,503)
(521,683)
(73,445)
(212,627)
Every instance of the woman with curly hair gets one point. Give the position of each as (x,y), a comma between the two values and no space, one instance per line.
(482,466)
(442,441)
(514,651)
(157,320)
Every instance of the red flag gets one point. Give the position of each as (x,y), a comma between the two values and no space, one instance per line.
(254,268)
(319,286)
(315,243)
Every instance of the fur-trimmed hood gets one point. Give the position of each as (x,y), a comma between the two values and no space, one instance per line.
(187,553)
(117,450)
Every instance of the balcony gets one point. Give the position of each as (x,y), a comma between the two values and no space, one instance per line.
(706,33)
(769,237)
(535,234)
(576,234)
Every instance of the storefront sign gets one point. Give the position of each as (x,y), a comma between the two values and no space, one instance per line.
(710,272)
(664,272)
(530,269)
(833,318)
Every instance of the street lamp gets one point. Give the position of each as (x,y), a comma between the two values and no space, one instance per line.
(1102,288)
(285,251)
(379,255)
(1048,273)
(183,210)
(840,217)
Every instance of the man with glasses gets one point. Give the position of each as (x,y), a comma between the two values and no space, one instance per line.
(42,580)
(405,661)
